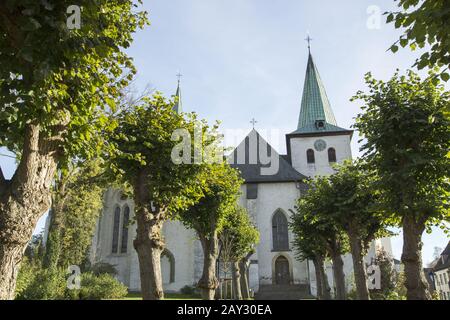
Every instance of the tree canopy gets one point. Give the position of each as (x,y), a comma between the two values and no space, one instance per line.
(426,22)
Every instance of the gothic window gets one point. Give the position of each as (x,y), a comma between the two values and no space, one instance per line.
(116,228)
(310,156)
(280,232)
(167,267)
(331,155)
(126,219)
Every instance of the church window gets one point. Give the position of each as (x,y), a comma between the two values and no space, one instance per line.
(126,219)
(116,229)
(167,267)
(280,232)
(310,156)
(331,155)
(252,190)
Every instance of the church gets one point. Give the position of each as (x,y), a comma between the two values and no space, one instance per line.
(274,272)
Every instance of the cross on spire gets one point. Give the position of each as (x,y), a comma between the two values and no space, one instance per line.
(253,122)
(309,39)
(179,75)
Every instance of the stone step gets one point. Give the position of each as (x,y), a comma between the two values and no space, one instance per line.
(283,292)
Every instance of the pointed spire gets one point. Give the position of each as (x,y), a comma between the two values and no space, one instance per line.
(315,105)
(178,105)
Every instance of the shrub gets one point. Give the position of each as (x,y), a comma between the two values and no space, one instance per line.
(188,290)
(103,286)
(35,283)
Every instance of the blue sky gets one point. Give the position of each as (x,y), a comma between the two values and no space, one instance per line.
(244,59)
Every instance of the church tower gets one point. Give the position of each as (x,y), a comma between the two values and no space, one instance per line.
(318,143)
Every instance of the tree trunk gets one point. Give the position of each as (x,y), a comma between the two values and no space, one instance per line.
(244,279)
(339,276)
(236,281)
(323,288)
(23,200)
(359,267)
(412,260)
(319,288)
(208,282)
(149,245)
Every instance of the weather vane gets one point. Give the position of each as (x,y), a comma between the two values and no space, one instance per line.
(253,122)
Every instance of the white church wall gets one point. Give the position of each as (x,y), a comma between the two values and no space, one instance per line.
(299,146)
(271,197)
(179,241)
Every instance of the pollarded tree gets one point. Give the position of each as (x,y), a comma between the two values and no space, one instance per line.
(315,207)
(162,173)
(407,141)
(357,212)
(310,247)
(208,216)
(54,83)
(238,239)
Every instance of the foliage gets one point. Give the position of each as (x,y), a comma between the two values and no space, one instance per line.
(99,287)
(144,141)
(388,277)
(189,290)
(407,138)
(60,79)
(310,221)
(76,205)
(354,202)
(238,236)
(220,194)
(426,22)
(102,268)
(37,283)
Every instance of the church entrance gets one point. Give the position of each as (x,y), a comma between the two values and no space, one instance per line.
(282,274)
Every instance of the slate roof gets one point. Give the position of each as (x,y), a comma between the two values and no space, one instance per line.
(315,105)
(250,167)
(444,259)
(178,106)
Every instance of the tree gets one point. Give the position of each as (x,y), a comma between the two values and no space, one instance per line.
(162,173)
(207,217)
(388,276)
(315,206)
(407,141)
(238,239)
(54,83)
(354,209)
(310,247)
(76,204)
(426,22)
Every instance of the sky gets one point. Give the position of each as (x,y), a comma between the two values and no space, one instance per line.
(244,59)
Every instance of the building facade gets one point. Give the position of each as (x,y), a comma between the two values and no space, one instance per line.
(269,193)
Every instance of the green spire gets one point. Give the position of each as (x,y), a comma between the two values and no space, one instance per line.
(178,105)
(315,105)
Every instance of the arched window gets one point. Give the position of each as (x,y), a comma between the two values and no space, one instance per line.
(167,267)
(116,228)
(310,156)
(280,232)
(125,221)
(331,155)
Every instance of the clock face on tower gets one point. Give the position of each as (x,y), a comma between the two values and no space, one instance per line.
(320,145)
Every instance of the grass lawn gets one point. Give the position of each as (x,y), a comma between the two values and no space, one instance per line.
(167,296)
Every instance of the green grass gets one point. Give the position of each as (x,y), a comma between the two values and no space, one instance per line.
(167,296)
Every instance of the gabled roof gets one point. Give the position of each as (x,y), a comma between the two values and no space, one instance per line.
(315,105)
(250,165)
(444,260)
